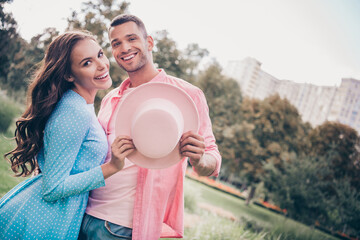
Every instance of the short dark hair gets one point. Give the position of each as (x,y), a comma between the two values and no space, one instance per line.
(124,18)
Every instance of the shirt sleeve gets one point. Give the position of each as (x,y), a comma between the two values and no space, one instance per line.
(62,141)
(205,130)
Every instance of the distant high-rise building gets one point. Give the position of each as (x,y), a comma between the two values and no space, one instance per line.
(345,107)
(315,104)
(253,81)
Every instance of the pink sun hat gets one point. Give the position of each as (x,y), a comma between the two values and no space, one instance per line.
(155,115)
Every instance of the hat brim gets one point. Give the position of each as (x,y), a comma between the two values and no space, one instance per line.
(126,110)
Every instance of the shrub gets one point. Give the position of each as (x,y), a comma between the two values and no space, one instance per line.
(8,111)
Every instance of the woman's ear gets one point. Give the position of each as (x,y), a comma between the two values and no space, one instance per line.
(69,78)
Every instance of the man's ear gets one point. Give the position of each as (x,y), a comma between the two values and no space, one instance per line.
(150,42)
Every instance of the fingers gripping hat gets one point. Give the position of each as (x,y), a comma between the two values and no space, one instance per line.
(155,115)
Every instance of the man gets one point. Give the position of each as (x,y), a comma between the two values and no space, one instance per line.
(146,203)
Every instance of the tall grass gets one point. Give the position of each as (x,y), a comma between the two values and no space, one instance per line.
(7,179)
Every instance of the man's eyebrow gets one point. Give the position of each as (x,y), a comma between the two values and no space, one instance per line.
(132,35)
(127,36)
(114,40)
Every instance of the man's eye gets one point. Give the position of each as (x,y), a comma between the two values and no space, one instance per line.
(101,54)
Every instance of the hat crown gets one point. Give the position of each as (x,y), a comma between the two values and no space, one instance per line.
(157,126)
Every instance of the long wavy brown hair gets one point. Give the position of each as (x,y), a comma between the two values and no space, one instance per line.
(45,90)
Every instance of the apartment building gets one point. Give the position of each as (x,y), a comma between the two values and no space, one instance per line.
(315,104)
(346,104)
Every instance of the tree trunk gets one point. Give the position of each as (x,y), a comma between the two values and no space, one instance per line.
(250,195)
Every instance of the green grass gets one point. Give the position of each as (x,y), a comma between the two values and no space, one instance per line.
(267,224)
(7,179)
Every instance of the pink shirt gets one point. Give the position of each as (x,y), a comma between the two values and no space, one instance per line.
(159,201)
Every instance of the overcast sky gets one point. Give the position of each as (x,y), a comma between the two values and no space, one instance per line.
(312,41)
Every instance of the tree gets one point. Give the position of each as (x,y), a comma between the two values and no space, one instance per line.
(182,64)
(298,188)
(8,43)
(277,137)
(302,189)
(18,57)
(278,128)
(224,100)
(192,56)
(26,60)
(340,144)
(166,55)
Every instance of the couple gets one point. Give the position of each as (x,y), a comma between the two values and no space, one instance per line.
(77,152)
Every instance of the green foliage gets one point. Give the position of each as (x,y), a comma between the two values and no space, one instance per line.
(181,64)
(309,196)
(299,190)
(167,55)
(340,144)
(8,43)
(224,100)
(7,179)
(276,121)
(8,111)
(268,131)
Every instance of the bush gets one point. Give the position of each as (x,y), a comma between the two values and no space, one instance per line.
(8,111)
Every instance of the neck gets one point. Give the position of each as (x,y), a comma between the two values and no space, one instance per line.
(143,75)
(88,96)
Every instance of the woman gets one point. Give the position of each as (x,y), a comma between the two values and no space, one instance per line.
(59,133)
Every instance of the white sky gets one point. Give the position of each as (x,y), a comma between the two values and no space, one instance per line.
(313,41)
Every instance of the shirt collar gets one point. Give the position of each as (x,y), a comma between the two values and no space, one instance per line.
(126,83)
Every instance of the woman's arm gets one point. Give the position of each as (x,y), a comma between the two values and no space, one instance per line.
(63,138)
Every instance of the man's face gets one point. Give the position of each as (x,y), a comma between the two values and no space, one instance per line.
(129,47)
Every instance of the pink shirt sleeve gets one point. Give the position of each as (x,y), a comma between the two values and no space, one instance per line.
(205,130)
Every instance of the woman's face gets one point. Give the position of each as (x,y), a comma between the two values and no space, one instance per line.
(89,69)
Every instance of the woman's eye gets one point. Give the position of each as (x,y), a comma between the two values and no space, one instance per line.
(87,63)
(101,54)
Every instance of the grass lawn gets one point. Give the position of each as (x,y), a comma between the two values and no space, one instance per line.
(267,224)
(7,179)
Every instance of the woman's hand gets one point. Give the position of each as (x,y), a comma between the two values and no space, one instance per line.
(120,149)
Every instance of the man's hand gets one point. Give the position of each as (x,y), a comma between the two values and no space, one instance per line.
(192,145)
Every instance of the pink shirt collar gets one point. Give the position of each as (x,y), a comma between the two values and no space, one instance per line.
(126,83)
